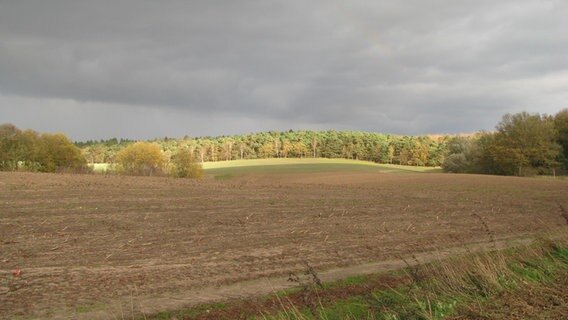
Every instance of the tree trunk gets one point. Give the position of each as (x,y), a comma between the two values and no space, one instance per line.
(315,144)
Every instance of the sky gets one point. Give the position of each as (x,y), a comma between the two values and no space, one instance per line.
(143,69)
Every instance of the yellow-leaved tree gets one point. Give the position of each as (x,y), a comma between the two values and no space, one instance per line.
(142,159)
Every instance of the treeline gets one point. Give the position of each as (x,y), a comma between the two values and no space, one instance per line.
(523,144)
(377,147)
(28,150)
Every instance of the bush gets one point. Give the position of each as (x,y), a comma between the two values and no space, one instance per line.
(185,166)
(142,159)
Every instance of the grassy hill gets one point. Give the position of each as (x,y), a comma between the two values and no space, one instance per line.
(294,165)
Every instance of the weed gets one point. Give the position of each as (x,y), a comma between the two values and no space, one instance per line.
(486,228)
(414,269)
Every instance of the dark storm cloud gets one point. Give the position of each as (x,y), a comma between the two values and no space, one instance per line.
(154,68)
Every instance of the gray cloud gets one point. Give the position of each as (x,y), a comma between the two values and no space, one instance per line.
(152,68)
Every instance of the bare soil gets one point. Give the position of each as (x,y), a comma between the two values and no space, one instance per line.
(115,246)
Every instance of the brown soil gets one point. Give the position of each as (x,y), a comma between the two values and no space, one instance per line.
(115,246)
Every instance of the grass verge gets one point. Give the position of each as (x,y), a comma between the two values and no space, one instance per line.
(486,285)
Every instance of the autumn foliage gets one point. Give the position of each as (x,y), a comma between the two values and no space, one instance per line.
(185,166)
(141,158)
(523,144)
(30,151)
(148,159)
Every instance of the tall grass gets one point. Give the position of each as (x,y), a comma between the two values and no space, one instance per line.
(446,288)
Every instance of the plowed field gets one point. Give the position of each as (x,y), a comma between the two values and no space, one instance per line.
(114,246)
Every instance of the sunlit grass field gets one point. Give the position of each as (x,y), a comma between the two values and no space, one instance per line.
(294,165)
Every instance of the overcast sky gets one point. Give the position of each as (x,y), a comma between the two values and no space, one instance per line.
(143,69)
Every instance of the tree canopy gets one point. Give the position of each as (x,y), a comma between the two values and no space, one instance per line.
(523,144)
(377,147)
(31,151)
(524,141)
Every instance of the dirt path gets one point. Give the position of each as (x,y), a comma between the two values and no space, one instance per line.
(147,305)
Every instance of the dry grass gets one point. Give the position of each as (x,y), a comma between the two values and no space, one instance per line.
(464,287)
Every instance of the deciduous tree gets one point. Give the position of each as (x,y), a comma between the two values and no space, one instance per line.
(27,150)
(58,153)
(524,140)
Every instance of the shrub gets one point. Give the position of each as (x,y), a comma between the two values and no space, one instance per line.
(141,158)
(185,165)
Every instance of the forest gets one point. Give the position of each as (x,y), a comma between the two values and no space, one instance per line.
(377,147)
(522,144)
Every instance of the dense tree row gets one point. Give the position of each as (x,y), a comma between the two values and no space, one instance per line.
(406,150)
(30,151)
(523,144)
